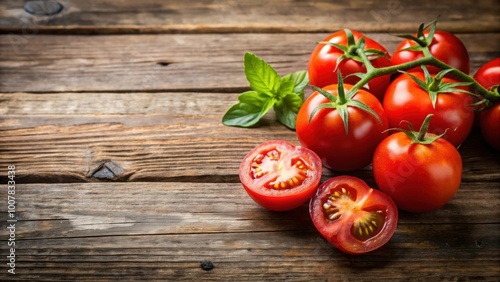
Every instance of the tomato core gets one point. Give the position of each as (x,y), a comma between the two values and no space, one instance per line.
(291,171)
(368,222)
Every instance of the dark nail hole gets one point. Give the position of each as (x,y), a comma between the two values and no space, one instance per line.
(43,8)
(207,265)
(163,64)
(478,243)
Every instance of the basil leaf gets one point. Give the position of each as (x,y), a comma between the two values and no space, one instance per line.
(250,109)
(300,79)
(261,76)
(242,114)
(287,108)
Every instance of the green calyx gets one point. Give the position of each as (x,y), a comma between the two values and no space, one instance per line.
(435,85)
(421,40)
(351,49)
(341,103)
(421,137)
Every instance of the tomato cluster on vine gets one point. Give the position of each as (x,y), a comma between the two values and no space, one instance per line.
(406,115)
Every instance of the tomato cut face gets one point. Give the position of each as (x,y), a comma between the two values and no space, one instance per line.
(352,216)
(280,176)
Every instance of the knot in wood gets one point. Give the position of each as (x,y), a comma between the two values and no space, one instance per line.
(107,170)
(43,8)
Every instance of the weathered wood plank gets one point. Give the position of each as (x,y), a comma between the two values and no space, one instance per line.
(75,210)
(290,256)
(106,16)
(187,62)
(163,230)
(169,146)
(151,136)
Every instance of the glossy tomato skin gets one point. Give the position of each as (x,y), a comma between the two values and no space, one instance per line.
(280,176)
(445,46)
(322,69)
(490,125)
(419,178)
(358,209)
(488,76)
(325,133)
(406,101)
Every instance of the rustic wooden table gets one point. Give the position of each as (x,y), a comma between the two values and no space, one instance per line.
(111,114)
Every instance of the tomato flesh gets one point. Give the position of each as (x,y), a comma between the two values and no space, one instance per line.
(280,176)
(352,216)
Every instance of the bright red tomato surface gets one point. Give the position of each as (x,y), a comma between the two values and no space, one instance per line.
(406,101)
(418,177)
(280,176)
(325,133)
(445,47)
(490,125)
(352,216)
(323,67)
(488,76)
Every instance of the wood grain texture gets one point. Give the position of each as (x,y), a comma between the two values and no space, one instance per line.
(201,16)
(152,137)
(99,231)
(187,62)
(111,112)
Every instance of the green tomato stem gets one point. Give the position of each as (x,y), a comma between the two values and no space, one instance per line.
(428,59)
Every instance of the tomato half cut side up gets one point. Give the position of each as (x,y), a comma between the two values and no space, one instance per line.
(280,176)
(352,216)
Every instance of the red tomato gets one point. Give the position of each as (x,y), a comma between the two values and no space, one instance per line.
(418,177)
(445,47)
(280,176)
(490,125)
(488,76)
(323,67)
(325,133)
(405,100)
(352,216)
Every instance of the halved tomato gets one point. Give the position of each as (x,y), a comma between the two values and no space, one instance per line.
(280,176)
(352,216)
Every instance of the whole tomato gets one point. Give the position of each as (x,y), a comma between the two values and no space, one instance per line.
(420,174)
(488,76)
(323,66)
(406,101)
(444,46)
(326,135)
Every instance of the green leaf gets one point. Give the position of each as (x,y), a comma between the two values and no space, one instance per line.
(250,109)
(253,98)
(242,114)
(286,88)
(300,80)
(261,76)
(287,109)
